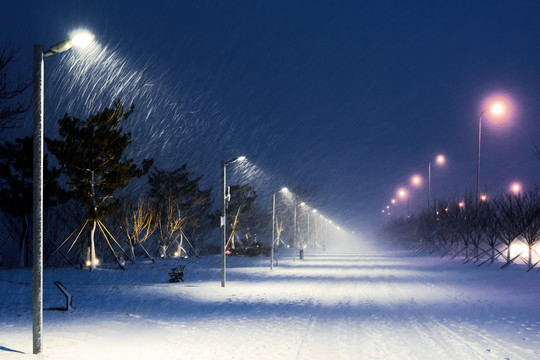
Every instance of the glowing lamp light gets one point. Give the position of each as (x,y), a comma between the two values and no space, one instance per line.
(241,158)
(440,159)
(314,211)
(81,38)
(388,206)
(416,180)
(302,204)
(176,254)
(461,204)
(497,109)
(402,193)
(284,189)
(500,109)
(483,197)
(88,263)
(382,210)
(516,188)
(96,261)
(393,201)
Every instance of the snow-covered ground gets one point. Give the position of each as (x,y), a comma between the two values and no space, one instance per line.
(380,305)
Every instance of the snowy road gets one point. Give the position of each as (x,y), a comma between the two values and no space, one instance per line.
(328,306)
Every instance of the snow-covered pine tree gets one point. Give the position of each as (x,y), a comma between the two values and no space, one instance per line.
(91,154)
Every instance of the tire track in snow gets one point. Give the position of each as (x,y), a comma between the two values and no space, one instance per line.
(431,329)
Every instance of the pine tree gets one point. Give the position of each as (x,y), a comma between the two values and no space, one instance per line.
(91,154)
(180,202)
(16,165)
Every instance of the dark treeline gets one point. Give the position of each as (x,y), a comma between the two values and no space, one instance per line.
(482,231)
(94,213)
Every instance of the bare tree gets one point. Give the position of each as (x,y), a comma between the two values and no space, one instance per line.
(508,221)
(528,219)
(139,222)
(12,103)
(171,225)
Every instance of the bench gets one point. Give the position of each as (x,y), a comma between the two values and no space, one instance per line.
(177,274)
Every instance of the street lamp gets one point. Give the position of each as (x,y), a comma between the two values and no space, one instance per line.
(516,188)
(440,159)
(225,198)
(81,39)
(403,193)
(274,225)
(496,109)
(303,204)
(314,211)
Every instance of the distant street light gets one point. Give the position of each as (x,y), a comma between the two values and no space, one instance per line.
(496,109)
(80,39)
(225,199)
(402,193)
(303,204)
(416,180)
(274,225)
(516,188)
(440,159)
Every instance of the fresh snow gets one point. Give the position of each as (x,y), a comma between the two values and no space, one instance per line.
(372,305)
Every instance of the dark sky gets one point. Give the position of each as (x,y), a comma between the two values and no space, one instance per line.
(349,97)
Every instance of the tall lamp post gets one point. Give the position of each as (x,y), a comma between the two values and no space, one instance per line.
(225,198)
(496,109)
(404,193)
(274,226)
(294,231)
(79,39)
(440,159)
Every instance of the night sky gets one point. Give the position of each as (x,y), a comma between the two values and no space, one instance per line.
(348,97)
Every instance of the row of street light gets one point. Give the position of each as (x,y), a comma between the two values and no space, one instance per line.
(497,108)
(82,39)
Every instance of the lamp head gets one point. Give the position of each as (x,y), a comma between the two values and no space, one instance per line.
(416,180)
(516,188)
(79,38)
(440,159)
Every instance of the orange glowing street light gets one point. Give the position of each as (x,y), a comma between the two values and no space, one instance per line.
(439,160)
(497,108)
(403,193)
(483,197)
(416,180)
(516,188)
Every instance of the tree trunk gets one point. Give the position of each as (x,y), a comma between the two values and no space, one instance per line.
(163,251)
(530,255)
(508,253)
(132,252)
(92,247)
